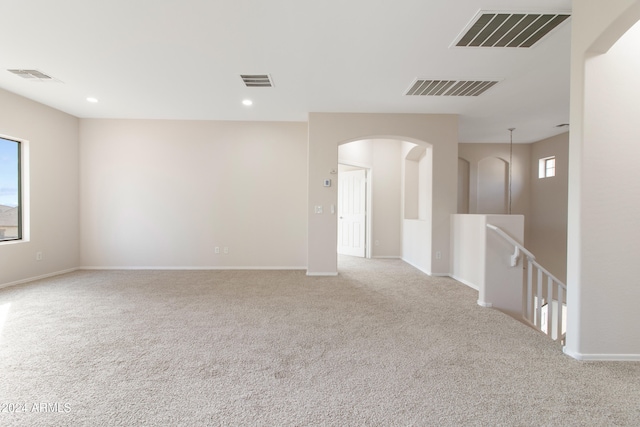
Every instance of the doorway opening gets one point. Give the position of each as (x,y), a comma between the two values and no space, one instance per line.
(384,200)
(353,208)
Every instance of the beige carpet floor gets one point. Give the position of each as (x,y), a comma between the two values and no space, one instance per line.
(380,345)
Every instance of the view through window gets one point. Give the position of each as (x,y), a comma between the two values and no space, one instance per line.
(547,167)
(10,214)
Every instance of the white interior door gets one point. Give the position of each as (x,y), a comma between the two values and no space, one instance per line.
(352,218)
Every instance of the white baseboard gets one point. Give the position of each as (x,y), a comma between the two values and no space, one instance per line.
(183,268)
(386,257)
(428,273)
(464,282)
(321,274)
(33,279)
(484,304)
(602,357)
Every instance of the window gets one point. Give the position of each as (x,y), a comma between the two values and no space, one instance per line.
(10,191)
(547,167)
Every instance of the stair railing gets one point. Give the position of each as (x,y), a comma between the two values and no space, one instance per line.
(543,307)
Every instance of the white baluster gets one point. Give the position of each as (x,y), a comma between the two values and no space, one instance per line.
(532,312)
(539,308)
(549,305)
(529,310)
(560,306)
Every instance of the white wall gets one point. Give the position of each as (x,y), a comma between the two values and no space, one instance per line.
(463,185)
(411,153)
(417,184)
(53,186)
(166,193)
(386,199)
(481,259)
(548,218)
(493,186)
(603,230)
(503,283)
(358,153)
(521,178)
(468,248)
(425,184)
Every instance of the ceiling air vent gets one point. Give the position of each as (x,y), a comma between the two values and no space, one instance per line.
(449,87)
(257,80)
(506,29)
(33,75)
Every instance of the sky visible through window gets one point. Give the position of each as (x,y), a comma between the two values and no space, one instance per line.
(8,172)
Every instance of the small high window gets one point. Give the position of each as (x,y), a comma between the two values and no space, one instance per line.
(547,167)
(10,191)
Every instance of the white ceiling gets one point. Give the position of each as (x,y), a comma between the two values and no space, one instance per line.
(181,59)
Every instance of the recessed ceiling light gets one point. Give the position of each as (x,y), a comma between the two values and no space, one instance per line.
(92,99)
(247,102)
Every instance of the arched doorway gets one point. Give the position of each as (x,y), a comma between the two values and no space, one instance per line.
(329,130)
(398,198)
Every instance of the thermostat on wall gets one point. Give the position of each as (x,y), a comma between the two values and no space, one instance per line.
(327,183)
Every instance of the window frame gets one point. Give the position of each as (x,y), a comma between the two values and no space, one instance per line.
(543,168)
(21,172)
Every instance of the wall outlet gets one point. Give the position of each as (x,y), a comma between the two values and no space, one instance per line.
(39,256)
(438,255)
(217,250)
(226,250)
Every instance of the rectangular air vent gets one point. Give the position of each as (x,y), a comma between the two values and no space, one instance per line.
(257,80)
(506,29)
(33,75)
(449,87)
